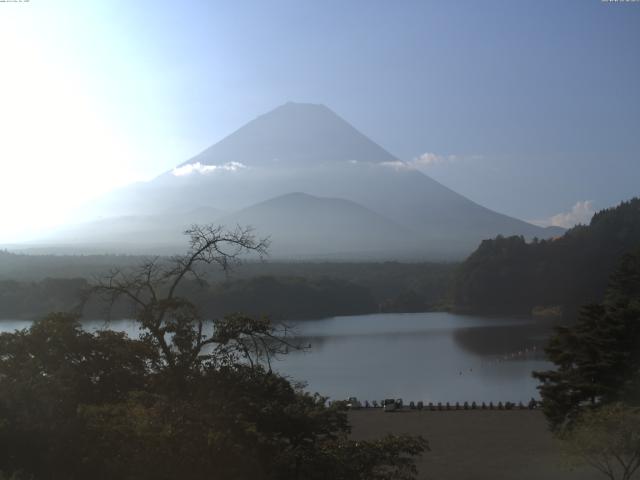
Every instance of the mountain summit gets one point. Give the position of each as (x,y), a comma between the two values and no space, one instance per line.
(355,200)
(294,133)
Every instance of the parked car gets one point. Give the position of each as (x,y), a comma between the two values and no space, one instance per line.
(390,405)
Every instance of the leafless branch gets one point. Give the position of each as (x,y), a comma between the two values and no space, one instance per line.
(152,290)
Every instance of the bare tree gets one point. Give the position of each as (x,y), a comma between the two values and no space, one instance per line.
(607,439)
(172,324)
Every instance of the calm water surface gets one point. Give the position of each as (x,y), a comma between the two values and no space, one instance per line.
(423,356)
(433,357)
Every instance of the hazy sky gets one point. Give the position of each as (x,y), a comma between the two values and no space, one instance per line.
(530,108)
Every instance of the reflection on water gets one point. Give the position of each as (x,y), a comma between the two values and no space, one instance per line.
(509,341)
(425,356)
(433,357)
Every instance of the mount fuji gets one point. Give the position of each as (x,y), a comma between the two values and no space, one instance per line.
(304,176)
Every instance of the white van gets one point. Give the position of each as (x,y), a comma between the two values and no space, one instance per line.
(390,405)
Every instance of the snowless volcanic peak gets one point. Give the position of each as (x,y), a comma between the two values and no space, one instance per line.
(300,133)
(354,202)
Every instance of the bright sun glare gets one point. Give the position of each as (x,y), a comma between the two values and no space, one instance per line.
(48,95)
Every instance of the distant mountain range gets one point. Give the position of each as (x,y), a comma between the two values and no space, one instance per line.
(313,183)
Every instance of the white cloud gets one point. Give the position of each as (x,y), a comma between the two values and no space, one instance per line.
(206,169)
(398,165)
(428,158)
(581,212)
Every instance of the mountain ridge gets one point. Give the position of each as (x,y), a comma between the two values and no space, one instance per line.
(305,127)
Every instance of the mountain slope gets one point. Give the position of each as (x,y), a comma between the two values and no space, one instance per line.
(308,148)
(294,133)
(152,233)
(303,225)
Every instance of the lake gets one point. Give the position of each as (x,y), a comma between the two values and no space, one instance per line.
(433,357)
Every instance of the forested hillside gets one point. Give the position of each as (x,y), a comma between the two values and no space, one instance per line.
(510,275)
(33,285)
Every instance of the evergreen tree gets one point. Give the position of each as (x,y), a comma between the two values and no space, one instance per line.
(598,358)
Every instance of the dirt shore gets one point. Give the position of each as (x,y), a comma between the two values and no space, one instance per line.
(475,444)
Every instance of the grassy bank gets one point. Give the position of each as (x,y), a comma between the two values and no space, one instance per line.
(475,444)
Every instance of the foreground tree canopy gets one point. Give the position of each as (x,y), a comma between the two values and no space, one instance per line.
(191,398)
